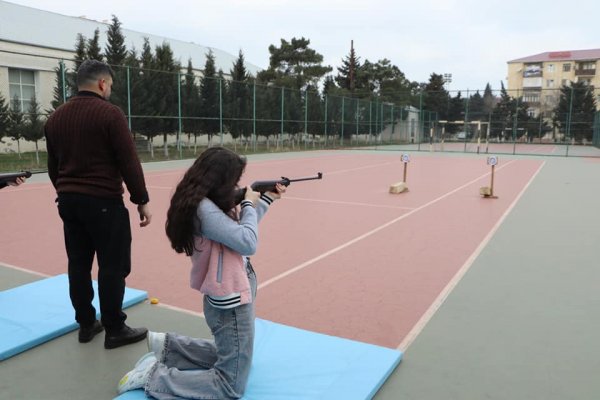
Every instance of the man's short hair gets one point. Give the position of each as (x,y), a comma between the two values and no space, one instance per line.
(91,70)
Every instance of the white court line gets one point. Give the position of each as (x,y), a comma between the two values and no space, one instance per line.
(182,310)
(283,161)
(160,187)
(371,232)
(26,187)
(437,303)
(350,203)
(23,269)
(341,171)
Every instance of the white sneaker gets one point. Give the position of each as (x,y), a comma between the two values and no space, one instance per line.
(138,376)
(156,343)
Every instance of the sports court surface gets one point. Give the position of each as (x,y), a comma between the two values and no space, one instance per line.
(486,298)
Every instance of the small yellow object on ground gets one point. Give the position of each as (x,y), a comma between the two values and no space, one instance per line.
(153,300)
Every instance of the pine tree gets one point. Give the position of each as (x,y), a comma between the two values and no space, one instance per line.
(329,86)
(4,116)
(80,51)
(33,129)
(348,71)
(166,84)
(115,50)
(510,118)
(315,113)
(489,100)
(190,103)
(239,100)
(61,89)
(80,57)
(436,98)
(209,97)
(294,65)
(16,124)
(575,111)
(93,50)
(115,53)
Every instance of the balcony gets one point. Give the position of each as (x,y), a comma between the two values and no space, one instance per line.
(532,71)
(585,72)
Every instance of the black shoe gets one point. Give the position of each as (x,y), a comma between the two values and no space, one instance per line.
(125,335)
(87,333)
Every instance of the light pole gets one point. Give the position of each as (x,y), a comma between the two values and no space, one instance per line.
(447,81)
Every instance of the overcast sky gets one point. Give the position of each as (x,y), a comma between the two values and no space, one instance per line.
(472,40)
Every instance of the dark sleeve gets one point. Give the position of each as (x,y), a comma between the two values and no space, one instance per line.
(3,185)
(127,158)
(52,161)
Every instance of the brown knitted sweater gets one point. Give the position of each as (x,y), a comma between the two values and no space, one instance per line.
(91,151)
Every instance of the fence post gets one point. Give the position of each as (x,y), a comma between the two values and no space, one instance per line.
(254,115)
(370,120)
(342,131)
(64,81)
(569,121)
(179,113)
(357,119)
(421,121)
(466,120)
(515,121)
(305,116)
(326,99)
(128,99)
(282,106)
(221,109)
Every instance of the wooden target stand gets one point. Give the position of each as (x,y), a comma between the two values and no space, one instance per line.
(488,192)
(400,187)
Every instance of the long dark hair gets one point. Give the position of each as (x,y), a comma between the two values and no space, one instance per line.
(215,174)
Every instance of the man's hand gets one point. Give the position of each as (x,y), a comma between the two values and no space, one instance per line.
(19,181)
(145,215)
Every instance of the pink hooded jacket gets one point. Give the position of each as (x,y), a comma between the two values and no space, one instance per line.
(222,246)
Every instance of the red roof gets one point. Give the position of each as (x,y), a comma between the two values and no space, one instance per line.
(567,55)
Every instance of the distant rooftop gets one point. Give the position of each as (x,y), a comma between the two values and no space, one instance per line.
(31,26)
(567,55)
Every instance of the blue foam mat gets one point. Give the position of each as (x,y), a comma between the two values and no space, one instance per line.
(34,313)
(291,363)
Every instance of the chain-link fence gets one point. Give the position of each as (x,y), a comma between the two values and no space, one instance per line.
(176,114)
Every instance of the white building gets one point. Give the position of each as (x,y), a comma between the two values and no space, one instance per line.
(33,41)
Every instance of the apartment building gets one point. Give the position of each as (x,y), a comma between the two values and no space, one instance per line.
(538,78)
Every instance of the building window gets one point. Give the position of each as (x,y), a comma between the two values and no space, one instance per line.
(590,65)
(566,67)
(550,83)
(531,98)
(21,86)
(550,67)
(532,70)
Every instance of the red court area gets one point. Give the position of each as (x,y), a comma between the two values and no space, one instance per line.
(340,256)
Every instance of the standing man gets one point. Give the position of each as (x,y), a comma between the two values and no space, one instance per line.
(90,153)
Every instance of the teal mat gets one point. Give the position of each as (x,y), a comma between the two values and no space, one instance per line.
(291,363)
(37,312)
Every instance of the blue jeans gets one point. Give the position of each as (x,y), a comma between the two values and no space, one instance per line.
(208,369)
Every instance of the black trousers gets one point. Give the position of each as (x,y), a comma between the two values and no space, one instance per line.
(97,226)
